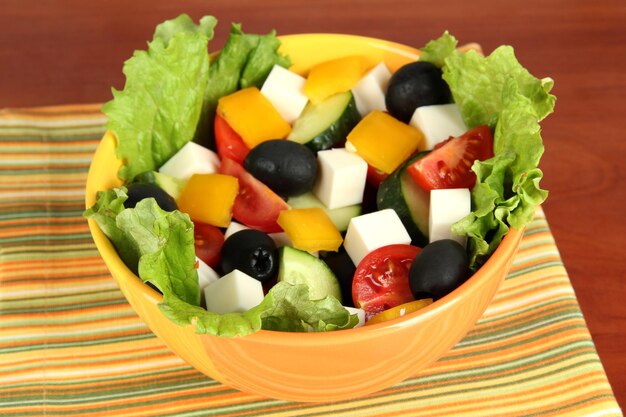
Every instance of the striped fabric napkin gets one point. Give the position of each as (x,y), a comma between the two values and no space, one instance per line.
(70,344)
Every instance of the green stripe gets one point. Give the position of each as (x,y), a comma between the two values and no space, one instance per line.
(146,334)
(62,302)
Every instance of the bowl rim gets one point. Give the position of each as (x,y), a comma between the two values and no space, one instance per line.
(498,258)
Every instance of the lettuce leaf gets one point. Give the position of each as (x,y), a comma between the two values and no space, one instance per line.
(167,30)
(157,245)
(497,91)
(158,110)
(286,307)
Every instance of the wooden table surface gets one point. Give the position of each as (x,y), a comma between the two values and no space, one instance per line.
(60,52)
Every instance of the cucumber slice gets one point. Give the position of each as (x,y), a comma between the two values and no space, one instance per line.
(172,186)
(400,193)
(340,216)
(300,267)
(327,123)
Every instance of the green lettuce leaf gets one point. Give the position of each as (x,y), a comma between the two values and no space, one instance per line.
(156,244)
(497,91)
(159,108)
(104,211)
(286,307)
(167,30)
(165,243)
(245,61)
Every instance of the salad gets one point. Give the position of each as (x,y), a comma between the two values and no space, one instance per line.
(258,198)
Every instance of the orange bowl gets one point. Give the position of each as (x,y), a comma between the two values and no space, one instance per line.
(315,367)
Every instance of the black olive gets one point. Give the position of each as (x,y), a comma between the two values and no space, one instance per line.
(344,269)
(414,85)
(138,191)
(439,268)
(286,167)
(252,252)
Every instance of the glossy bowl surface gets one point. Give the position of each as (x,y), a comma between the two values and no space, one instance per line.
(316,367)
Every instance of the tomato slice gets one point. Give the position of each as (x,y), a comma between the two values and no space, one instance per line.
(449,165)
(381,280)
(208,241)
(229,144)
(256,205)
(375,176)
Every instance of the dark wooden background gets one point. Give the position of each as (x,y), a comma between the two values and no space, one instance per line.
(59,52)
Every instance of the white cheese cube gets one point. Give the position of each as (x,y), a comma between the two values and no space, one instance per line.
(340,179)
(206,274)
(437,123)
(191,159)
(285,90)
(372,231)
(369,92)
(446,208)
(233,228)
(360,313)
(235,292)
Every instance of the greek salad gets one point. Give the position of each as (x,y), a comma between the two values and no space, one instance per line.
(258,198)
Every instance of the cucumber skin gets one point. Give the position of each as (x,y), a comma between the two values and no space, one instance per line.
(390,196)
(318,271)
(338,130)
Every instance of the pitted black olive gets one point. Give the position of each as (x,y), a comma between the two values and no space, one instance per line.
(252,252)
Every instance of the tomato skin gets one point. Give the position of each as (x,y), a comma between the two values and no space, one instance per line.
(381,280)
(208,241)
(449,165)
(375,176)
(256,205)
(229,144)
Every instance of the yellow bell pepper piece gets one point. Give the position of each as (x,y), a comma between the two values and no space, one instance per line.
(252,116)
(383,141)
(332,77)
(399,311)
(209,198)
(310,229)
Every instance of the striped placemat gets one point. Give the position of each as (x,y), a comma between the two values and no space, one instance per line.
(71,345)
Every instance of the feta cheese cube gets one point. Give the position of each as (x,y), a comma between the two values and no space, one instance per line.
(235,292)
(369,92)
(372,231)
(285,90)
(340,179)
(191,159)
(233,228)
(438,123)
(206,274)
(360,313)
(446,208)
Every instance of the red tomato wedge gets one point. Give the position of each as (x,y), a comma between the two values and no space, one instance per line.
(208,241)
(381,280)
(449,165)
(375,176)
(229,144)
(256,205)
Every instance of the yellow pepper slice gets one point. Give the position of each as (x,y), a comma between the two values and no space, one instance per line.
(334,76)
(383,141)
(399,311)
(252,116)
(310,229)
(209,198)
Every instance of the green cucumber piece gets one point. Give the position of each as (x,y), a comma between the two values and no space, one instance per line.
(327,123)
(400,193)
(339,216)
(300,267)
(172,186)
